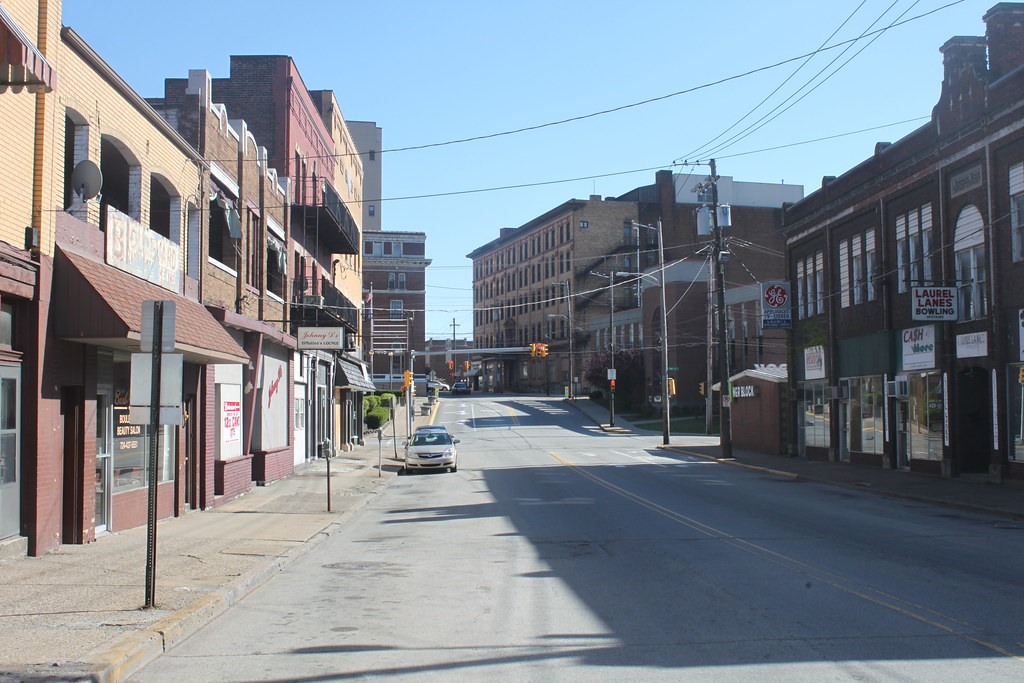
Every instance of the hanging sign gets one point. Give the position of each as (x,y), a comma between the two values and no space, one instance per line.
(775,310)
(933,303)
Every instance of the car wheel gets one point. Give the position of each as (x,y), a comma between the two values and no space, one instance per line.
(453,468)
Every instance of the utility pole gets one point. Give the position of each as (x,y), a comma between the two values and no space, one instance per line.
(572,332)
(611,348)
(451,356)
(719,256)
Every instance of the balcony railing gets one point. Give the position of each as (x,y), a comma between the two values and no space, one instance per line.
(327,219)
(327,308)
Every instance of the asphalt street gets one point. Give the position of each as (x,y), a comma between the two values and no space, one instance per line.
(563,552)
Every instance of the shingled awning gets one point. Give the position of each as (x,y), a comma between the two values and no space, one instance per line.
(21,64)
(353,376)
(98,304)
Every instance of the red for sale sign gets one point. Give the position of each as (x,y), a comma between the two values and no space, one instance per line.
(232,421)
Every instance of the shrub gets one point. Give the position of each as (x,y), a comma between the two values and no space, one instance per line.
(596,395)
(369,403)
(377,418)
(385,400)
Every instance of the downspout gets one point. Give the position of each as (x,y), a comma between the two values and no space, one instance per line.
(998,455)
(39,157)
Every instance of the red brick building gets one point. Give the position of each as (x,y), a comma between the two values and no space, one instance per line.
(881,376)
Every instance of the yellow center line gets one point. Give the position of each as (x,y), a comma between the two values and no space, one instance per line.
(515,418)
(837,581)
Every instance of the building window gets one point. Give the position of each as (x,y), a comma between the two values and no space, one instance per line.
(809,280)
(1017,210)
(276,265)
(915,248)
(225,227)
(969,257)
(865,424)
(584,224)
(371,209)
(924,416)
(857,269)
(397,307)
(815,418)
(254,271)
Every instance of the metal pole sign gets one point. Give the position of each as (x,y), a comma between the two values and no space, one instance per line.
(157,337)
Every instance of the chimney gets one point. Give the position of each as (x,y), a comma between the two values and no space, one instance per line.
(1004,27)
(964,81)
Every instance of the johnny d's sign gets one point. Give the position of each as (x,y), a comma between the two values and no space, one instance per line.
(321,338)
(933,303)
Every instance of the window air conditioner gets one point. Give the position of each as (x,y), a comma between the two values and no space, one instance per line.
(897,388)
(841,392)
(313,300)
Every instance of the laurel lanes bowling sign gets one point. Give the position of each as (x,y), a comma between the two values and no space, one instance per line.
(934,303)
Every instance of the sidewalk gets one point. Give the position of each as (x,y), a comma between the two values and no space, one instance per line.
(966,494)
(76,614)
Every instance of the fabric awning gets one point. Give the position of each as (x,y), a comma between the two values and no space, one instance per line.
(353,376)
(98,304)
(21,64)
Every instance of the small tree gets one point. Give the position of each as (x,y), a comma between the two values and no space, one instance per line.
(629,372)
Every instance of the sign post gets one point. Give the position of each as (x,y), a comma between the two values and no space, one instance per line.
(157,337)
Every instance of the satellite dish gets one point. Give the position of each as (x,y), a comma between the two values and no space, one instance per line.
(86,180)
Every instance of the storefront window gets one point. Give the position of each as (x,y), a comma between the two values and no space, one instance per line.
(1016,410)
(130,443)
(814,415)
(925,416)
(865,432)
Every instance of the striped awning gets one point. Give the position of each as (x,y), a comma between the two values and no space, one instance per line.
(21,64)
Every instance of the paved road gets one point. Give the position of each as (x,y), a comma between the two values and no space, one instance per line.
(561,553)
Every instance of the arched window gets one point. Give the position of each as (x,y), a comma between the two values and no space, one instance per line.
(971,264)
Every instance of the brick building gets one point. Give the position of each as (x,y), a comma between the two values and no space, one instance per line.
(243,282)
(394,276)
(308,142)
(907,348)
(583,269)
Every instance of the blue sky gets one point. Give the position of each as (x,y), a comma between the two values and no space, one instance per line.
(436,72)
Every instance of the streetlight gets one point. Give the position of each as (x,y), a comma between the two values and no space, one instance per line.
(665,416)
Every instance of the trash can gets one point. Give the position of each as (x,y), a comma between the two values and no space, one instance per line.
(425,409)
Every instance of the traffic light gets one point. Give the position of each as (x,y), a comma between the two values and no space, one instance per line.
(613,385)
(407,379)
(1020,375)
(465,365)
(542,350)
(671,386)
(451,365)
(700,388)
(533,350)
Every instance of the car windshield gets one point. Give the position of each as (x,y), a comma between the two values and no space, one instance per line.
(431,439)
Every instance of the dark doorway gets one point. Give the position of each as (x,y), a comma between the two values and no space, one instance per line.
(191,448)
(973,447)
(72,405)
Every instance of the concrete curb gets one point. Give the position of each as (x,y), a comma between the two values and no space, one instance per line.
(135,650)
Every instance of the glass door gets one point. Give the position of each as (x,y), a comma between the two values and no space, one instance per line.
(10,447)
(104,441)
